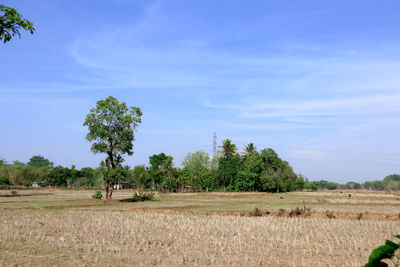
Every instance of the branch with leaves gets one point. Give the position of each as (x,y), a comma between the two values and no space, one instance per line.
(10,23)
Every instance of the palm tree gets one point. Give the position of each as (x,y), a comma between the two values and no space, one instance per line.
(228,149)
(249,149)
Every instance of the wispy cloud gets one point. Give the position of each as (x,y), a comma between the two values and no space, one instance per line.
(297,88)
(309,154)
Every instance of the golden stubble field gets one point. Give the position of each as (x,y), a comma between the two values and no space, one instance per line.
(54,227)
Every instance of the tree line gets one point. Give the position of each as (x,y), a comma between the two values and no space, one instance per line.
(227,170)
(390,182)
(40,170)
(253,171)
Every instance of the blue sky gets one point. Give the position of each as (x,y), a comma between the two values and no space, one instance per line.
(317,81)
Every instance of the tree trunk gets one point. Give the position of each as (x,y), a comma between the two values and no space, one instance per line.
(169,178)
(107,189)
(111,191)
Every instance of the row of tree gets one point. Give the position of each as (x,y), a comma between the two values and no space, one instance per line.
(42,171)
(390,182)
(228,170)
(256,171)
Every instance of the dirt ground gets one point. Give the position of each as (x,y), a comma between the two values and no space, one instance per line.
(338,204)
(68,227)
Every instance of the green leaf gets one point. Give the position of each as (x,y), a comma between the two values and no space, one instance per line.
(382,252)
(392,244)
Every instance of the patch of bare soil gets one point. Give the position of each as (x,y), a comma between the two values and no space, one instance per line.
(364,204)
(330,215)
(94,202)
(26,195)
(232,195)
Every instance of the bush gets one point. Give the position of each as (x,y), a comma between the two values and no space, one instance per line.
(140,196)
(4,181)
(330,214)
(143,196)
(281,212)
(300,211)
(296,212)
(98,195)
(256,212)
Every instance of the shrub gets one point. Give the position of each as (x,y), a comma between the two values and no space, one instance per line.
(140,196)
(329,214)
(4,181)
(255,213)
(143,196)
(281,212)
(299,211)
(98,195)
(295,212)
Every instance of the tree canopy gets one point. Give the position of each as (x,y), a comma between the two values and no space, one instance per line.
(111,130)
(11,22)
(40,161)
(197,170)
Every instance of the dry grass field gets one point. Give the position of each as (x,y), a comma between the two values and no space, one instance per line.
(57,227)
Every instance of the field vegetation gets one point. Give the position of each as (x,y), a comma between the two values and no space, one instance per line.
(43,227)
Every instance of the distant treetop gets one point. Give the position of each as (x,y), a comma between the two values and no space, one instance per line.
(40,161)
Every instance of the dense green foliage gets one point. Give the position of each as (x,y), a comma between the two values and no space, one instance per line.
(111,130)
(161,172)
(10,23)
(20,173)
(40,161)
(140,177)
(197,171)
(390,182)
(4,181)
(228,170)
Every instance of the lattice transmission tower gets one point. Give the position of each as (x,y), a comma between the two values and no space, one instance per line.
(214,143)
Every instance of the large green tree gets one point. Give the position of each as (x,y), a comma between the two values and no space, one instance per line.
(228,164)
(197,170)
(140,177)
(162,173)
(11,22)
(278,175)
(111,129)
(156,165)
(250,171)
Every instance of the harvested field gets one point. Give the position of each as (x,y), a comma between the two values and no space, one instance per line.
(113,238)
(57,227)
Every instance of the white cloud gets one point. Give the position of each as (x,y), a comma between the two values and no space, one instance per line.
(292,89)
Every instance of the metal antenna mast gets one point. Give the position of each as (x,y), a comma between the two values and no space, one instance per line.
(214,143)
